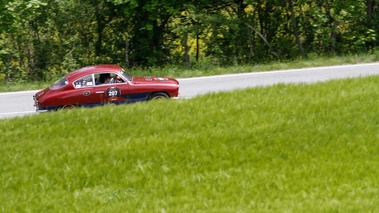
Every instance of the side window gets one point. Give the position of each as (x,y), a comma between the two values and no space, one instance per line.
(107,78)
(101,78)
(117,79)
(84,81)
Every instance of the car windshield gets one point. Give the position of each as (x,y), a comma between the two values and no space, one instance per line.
(126,75)
(59,84)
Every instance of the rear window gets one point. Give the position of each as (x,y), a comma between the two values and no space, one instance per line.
(84,81)
(59,84)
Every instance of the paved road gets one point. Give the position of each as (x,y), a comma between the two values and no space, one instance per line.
(190,87)
(21,103)
(16,104)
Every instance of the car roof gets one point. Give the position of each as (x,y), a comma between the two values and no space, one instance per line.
(101,68)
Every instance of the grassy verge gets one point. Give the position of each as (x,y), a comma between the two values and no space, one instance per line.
(205,70)
(15,86)
(311,61)
(293,148)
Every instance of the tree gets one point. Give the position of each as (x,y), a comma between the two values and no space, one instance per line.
(295,28)
(41,39)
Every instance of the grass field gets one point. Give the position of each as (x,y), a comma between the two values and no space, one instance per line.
(285,148)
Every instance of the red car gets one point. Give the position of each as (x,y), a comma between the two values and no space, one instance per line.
(103,84)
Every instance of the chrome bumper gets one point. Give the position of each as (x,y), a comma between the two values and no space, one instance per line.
(35,103)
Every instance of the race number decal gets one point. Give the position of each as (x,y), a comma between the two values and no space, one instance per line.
(113,92)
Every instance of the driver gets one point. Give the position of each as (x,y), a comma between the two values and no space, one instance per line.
(116,79)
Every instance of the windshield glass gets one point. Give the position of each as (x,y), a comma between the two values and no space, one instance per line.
(126,75)
(59,84)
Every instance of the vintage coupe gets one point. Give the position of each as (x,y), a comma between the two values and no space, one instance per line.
(103,84)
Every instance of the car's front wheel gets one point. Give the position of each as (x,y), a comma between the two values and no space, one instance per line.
(158,96)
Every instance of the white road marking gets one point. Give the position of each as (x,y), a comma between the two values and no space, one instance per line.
(15,113)
(19,92)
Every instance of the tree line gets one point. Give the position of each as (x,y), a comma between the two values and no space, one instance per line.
(44,38)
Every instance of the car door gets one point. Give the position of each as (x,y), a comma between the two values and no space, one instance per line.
(87,93)
(114,91)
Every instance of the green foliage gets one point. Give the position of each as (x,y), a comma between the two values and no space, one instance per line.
(42,38)
(302,148)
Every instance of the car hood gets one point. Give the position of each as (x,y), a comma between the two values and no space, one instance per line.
(153,79)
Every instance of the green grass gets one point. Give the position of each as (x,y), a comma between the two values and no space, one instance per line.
(285,148)
(16,86)
(208,69)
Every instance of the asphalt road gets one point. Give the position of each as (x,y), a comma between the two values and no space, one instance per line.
(21,103)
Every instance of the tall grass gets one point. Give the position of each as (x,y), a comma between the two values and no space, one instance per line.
(285,148)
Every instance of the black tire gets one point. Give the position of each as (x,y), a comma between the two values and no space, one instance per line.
(67,107)
(158,96)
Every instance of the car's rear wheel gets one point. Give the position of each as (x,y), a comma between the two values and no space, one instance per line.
(66,107)
(158,96)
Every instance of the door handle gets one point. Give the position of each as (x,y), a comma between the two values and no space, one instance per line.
(99,92)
